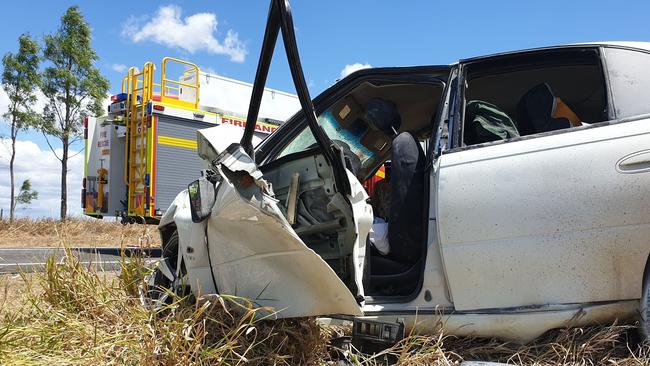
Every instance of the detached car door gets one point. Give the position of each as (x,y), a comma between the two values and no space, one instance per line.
(562,217)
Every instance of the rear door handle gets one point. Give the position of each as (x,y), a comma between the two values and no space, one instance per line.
(636,162)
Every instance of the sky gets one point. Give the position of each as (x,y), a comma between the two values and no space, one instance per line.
(335,37)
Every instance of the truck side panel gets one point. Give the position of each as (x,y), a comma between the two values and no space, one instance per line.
(104,153)
(176,161)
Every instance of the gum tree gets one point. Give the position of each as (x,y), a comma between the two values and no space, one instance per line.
(20,81)
(73,86)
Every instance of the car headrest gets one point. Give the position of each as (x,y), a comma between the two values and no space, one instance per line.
(535,111)
(383,115)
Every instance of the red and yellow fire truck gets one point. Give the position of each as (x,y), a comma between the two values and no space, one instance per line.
(140,155)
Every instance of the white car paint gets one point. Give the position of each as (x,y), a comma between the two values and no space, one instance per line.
(520,326)
(542,212)
(254,253)
(192,248)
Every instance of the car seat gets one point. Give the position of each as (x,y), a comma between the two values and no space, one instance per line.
(536,109)
(398,273)
(407,193)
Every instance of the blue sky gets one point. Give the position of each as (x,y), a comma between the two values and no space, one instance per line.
(331,34)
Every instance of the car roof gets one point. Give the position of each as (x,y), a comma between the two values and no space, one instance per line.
(628,44)
(645,46)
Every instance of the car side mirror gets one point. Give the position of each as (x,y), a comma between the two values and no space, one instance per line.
(202,196)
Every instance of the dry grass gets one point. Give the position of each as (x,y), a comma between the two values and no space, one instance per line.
(79,232)
(13,290)
(598,345)
(73,315)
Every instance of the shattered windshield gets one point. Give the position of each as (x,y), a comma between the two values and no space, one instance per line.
(349,139)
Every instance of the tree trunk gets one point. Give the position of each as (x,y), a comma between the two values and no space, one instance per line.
(14,134)
(65,141)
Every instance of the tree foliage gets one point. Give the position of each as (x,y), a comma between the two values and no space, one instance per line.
(20,80)
(71,82)
(73,86)
(26,194)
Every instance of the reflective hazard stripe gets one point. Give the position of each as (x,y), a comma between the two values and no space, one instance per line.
(177,142)
(380,173)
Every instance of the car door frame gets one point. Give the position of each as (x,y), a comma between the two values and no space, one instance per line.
(270,148)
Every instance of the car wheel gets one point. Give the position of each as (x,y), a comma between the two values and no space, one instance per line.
(644,322)
(167,282)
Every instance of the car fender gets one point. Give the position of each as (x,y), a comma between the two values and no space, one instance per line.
(166,225)
(191,247)
(168,217)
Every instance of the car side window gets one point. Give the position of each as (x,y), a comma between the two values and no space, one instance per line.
(529,93)
(304,140)
(629,77)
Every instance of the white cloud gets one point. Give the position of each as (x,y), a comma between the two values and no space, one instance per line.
(4,102)
(119,67)
(208,70)
(41,101)
(44,172)
(350,68)
(193,33)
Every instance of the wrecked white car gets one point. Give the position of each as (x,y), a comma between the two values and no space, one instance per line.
(518,199)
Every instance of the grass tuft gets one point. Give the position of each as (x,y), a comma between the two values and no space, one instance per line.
(74,315)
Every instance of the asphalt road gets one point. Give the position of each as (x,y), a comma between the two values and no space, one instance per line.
(33,259)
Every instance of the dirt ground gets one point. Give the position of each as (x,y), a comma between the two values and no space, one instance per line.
(76,232)
(12,289)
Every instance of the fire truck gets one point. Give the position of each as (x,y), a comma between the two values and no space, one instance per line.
(138,156)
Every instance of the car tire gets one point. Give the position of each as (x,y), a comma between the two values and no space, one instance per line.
(644,308)
(170,248)
(166,277)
